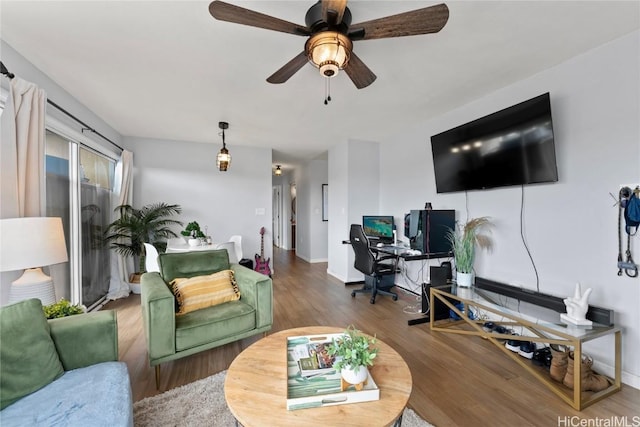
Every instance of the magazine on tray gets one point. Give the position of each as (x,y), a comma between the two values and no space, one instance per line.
(311,379)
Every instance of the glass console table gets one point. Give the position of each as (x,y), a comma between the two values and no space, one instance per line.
(544,327)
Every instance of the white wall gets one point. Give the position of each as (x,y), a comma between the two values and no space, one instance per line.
(570,226)
(355,176)
(340,256)
(311,230)
(234,202)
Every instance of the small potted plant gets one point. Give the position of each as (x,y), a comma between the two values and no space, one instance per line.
(354,353)
(463,244)
(193,232)
(62,308)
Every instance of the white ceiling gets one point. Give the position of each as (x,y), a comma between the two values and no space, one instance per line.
(167,69)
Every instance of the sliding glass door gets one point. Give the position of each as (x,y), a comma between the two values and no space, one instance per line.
(79,188)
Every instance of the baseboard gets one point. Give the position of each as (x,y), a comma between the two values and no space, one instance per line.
(312,260)
(302,257)
(337,276)
(346,280)
(627,378)
(631,380)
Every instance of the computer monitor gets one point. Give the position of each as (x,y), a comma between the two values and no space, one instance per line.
(379,227)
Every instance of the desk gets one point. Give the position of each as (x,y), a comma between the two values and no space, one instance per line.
(404,252)
(255,387)
(545,328)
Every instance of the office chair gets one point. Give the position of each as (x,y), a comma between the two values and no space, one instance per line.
(370,264)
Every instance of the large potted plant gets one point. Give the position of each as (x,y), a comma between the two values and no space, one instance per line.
(463,241)
(150,224)
(354,353)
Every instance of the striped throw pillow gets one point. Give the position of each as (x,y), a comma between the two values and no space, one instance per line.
(199,292)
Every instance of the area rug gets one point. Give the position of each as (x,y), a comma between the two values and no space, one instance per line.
(202,403)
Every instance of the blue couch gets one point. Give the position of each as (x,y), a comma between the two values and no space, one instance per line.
(78,383)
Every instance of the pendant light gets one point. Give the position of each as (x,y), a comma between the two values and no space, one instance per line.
(224,158)
(278,171)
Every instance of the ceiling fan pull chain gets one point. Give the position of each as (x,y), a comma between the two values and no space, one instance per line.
(327,91)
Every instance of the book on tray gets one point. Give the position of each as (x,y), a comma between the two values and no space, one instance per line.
(311,379)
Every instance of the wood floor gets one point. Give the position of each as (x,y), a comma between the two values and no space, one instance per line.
(457,380)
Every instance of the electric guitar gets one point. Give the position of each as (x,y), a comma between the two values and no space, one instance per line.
(262,265)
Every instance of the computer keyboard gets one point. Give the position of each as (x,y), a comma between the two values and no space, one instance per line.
(396,247)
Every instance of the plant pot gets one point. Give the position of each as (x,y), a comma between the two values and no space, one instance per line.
(464,280)
(354,377)
(194,242)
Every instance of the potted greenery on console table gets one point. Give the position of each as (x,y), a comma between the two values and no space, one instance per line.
(193,233)
(463,244)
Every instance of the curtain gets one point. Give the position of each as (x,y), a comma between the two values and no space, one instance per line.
(23,136)
(121,266)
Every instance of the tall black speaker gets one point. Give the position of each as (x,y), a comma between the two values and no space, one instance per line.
(428,230)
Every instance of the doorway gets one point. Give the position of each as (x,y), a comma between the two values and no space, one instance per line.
(277,215)
(79,189)
(293,215)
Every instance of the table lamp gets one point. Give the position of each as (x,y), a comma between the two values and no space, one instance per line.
(31,243)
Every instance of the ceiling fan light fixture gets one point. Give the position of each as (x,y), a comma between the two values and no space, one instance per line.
(223,160)
(329,51)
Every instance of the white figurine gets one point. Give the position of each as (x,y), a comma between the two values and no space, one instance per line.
(577,307)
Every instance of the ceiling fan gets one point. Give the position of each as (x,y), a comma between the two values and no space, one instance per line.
(331,35)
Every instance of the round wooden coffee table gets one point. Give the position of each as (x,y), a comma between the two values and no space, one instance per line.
(256,387)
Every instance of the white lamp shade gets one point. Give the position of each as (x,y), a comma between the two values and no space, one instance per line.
(31,242)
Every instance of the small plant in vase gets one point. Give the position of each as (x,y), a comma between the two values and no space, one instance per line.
(193,232)
(463,244)
(62,308)
(354,353)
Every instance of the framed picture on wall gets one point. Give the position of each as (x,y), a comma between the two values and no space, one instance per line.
(325,202)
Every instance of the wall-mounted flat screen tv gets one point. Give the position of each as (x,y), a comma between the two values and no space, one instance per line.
(513,146)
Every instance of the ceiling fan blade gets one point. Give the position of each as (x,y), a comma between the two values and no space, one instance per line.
(288,69)
(358,72)
(239,15)
(333,10)
(421,21)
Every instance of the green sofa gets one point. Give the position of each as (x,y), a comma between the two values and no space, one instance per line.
(171,337)
(62,372)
